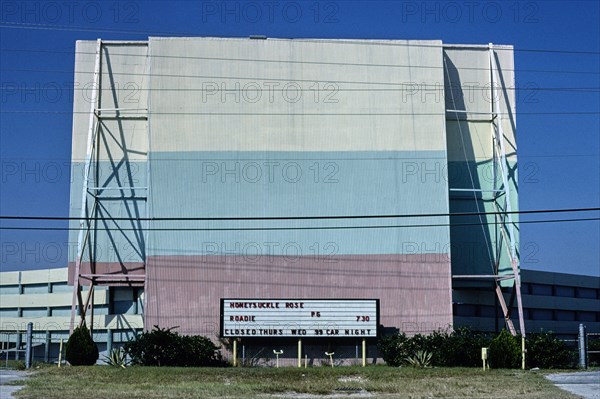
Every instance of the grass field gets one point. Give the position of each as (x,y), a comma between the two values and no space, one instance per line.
(375,381)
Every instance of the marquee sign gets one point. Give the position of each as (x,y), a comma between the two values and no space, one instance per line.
(315,318)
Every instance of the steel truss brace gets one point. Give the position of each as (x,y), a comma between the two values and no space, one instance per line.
(91,196)
(84,223)
(507,226)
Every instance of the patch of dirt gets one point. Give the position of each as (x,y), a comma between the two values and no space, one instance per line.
(297,395)
(352,378)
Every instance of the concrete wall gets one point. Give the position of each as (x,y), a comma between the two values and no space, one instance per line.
(556,302)
(120,156)
(42,297)
(285,128)
(468,86)
(245,128)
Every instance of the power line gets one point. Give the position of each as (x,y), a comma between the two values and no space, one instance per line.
(298,228)
(551,51)
(259,60)
(69,163)
(12,111)
(383,42)
(403,85)
(256,218)
(410,86)
(396,86)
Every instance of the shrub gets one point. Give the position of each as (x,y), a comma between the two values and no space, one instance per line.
(546,351)
(421,359)
(81,349)
(461,347)
(438,345)
(153,348)
(199,351)
(395,349)
(117,358)
(163,347)
(465,347)
(505,351)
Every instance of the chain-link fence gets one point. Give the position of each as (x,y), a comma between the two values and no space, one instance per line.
(10,349)
(46,345)
(584,347)
(572,346)
(593,349)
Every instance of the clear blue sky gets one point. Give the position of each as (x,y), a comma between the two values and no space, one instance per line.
(559,154)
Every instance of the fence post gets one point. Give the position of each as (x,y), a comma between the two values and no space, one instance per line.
(18,342)
(523,352)
(60,352)
(28,348)
(109,341)
(47,347)
(582,347)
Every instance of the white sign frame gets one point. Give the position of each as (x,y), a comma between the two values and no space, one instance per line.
(299,318)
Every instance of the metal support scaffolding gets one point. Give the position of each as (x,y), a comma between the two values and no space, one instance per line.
(84,223)
(507,225)
(501,197)
(91,199)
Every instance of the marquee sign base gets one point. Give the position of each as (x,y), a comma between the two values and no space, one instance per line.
(299,319)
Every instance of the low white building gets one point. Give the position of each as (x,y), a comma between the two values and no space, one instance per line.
(42,297)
